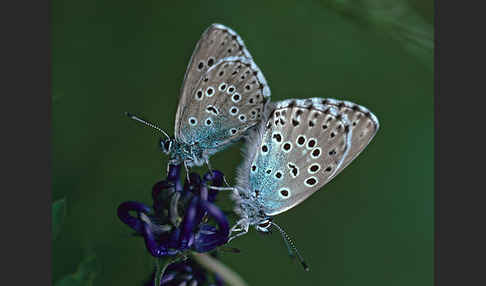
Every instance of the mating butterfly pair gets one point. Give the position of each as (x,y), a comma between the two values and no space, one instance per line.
(294,147)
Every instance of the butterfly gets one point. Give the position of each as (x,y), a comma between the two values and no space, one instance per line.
(300,146)
(223,95)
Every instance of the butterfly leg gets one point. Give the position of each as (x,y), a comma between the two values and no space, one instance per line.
(238,226)
(236,235)
(234,190)
(167,169)
(241,227)
(187,172)
(209,167)
(211,170)
(226,182)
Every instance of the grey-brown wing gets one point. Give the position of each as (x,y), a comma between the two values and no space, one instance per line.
(303,145)
(217,42)
(363,124)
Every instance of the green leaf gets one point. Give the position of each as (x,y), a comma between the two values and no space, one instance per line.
(84,276)
(395,19)
(58,214)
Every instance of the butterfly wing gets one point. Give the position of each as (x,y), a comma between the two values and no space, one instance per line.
(304,144)
(363,124)
(219,48)
(228,100)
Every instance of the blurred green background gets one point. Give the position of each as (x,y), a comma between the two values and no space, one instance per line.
(372,225)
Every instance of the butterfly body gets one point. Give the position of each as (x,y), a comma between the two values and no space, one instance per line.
(181,152)
(196,153)
(300,146)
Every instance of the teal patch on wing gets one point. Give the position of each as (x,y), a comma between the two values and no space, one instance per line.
(267,174)
(212,133)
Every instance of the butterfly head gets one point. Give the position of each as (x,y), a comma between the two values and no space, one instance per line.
(181,152)
(264,225)
(166,145)
(254,215)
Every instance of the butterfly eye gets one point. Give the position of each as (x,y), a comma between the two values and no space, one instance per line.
(265,224)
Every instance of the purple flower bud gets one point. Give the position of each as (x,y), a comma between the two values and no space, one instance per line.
(189,223)
(208,237)
(133,222)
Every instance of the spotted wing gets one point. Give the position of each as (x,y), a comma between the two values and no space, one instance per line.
(216,43)
(363,124)
(228,100)
(302,146)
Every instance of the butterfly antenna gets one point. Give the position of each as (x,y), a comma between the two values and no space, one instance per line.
(291,245)
(136,118)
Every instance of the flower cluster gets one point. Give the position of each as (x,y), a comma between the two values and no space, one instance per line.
(179,219)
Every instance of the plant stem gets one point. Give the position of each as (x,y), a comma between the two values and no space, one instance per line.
(228,275)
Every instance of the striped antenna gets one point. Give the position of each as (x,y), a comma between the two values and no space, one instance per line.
(136,118)
(291,246)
